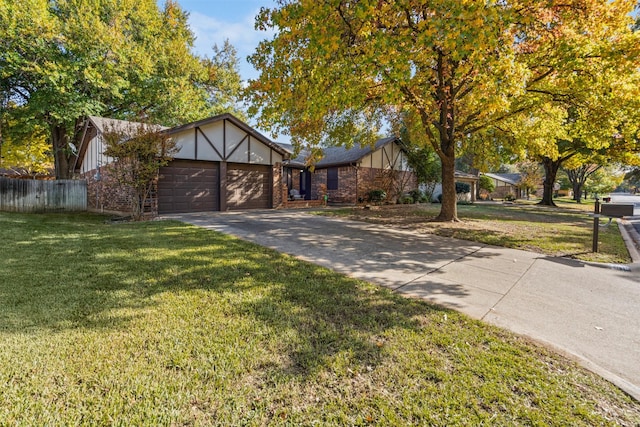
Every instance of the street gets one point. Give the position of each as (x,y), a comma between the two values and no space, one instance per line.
(631,199)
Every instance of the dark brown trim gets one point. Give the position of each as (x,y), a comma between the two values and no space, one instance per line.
(223,186)
(195,154)
(211,143)
(236,147)
(236,122)
(83,147)
(385,154)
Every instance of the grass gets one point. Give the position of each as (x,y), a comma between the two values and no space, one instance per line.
(563,231)
(160,323)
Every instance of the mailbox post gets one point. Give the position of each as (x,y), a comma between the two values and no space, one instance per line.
(610,210)
(596,225)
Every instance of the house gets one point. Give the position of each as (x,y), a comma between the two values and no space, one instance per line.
(505,183)
(221,164)
(466,178)
(346,176)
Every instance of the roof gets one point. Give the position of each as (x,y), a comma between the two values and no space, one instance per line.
(459,174)
(20,172)
(104,124)
(337,156)
(95,124)
(237,122)
(509,178)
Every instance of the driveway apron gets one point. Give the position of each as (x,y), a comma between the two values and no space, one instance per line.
(587,312)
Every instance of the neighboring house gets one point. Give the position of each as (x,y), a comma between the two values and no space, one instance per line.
(221,164)
(505,183)
(347,175)
(23,173)
(467,178)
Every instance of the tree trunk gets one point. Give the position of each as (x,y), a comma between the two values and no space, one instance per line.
(60,144)
(449,207)
(550,172)
(577,192)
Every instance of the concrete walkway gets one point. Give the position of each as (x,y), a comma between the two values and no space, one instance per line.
(590,313)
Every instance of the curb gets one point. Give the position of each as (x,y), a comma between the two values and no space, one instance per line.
(631,239)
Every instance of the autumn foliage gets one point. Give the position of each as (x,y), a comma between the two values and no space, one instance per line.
(462,76)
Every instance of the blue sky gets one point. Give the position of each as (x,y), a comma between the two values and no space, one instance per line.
(213,21)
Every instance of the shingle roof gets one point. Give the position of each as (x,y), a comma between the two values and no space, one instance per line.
(460,174)
(335,156)
(509,178)
(104,124)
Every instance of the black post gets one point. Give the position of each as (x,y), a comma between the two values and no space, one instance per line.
(596,224)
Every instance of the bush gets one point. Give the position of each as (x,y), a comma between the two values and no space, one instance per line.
(486,183)
(376,196)
(406,200)
(509,197)
(462,188)
(416,195)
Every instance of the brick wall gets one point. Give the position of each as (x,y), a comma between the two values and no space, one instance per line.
(355,183)
(277,185)
(318,178)
(107,195)
(503,190)
(394,183)
(347,186)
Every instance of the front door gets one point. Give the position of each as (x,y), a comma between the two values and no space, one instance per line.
(305,184)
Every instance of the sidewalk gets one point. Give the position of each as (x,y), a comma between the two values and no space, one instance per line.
(587,312)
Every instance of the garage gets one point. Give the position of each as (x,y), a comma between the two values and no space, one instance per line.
(248,186)
(221,164)
(188,186)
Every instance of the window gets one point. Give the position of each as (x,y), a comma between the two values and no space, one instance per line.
(332,179)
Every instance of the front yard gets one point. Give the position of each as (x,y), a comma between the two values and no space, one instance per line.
(563,231)
(160,323)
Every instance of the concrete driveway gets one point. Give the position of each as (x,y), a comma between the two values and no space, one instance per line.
(590,313)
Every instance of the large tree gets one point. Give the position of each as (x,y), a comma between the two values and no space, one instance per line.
(336,69)
(61,60)
(24,149)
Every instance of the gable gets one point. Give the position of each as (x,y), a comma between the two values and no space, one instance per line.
(91,151)
(224,139)
(219,138)
(388,156)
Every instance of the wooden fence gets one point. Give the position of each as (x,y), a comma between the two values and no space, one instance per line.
(27,195)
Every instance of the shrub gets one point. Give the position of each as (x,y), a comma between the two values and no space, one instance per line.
(406,200)
(376,196)
(416,195)
(462,188)
(486,183)
(509,197)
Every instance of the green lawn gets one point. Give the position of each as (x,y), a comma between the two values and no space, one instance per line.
(160,323)
(563,231)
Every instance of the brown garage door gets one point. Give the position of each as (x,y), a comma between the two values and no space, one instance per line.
(188,186)
(248,186)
